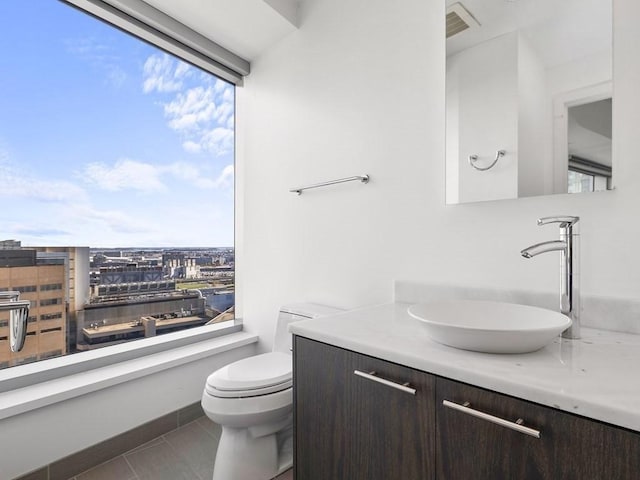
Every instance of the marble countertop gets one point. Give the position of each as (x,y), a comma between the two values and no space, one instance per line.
(595,376)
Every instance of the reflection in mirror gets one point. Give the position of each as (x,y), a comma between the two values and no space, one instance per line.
(531,79)
(589,142)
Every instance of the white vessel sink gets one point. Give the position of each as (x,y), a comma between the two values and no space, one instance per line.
(490,327)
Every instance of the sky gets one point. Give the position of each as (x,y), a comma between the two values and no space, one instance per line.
(106,141)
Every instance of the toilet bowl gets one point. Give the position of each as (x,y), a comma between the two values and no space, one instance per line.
(252,399)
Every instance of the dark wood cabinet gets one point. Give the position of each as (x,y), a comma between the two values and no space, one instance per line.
(351,427)
(348,427)
(569,447)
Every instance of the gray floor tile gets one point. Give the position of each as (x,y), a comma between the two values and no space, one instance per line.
(83,460)
(196,447)
(160,462)
(116,468)
(151,443)
(211,427)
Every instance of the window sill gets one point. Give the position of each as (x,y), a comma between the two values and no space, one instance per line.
(119,368)
(33,373)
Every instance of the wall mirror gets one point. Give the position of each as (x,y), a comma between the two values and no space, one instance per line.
(529,96)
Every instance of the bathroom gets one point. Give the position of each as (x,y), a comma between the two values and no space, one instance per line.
(359,87)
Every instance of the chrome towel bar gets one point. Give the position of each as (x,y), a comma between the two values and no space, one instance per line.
(361,178)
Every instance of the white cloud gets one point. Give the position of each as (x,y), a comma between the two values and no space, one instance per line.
(199,179)
(147,178)
(113,220)
(220,86)
(182,69)
(204,119)
(100,57)
(218,141)
(227,95)
(226,177)
(90,48)
(192,147)
(124,174)
(17,183)
(117,76)
(163,73)
(191,110)
(4,152)
(223,113)
(38,231)
(182,170)
(202,108)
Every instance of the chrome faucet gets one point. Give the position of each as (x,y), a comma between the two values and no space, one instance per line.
(18,316)
(569,265)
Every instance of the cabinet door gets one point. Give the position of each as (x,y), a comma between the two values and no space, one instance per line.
(569,447)
(349,427)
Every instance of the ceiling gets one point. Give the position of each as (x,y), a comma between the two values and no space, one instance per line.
(559,30)
(244,27)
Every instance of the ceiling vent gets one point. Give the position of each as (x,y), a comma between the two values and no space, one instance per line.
(459,19)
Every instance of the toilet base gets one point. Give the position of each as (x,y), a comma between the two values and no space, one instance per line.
(241,456)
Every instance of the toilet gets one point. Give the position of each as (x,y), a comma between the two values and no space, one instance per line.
(252,399)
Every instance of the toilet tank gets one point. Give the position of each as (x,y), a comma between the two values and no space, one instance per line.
(295,312)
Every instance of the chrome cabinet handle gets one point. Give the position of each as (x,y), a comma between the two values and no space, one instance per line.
(517,425)
(399,386)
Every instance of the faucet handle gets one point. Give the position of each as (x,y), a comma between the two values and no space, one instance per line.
(565,221)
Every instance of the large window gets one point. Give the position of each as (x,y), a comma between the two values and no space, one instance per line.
(117,184)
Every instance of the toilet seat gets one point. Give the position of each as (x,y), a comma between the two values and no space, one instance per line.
(254,376)
(214,392)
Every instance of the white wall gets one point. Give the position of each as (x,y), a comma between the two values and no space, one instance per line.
(360,89)
(39,437)
(580,73)
(452,140)
(486,76)
(535,114)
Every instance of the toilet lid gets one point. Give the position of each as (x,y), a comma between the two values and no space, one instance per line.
(253,373)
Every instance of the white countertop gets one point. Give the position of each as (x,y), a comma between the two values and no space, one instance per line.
(596,376)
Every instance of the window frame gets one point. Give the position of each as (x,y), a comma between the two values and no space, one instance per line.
(155,27)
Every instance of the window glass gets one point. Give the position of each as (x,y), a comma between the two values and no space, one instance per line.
(117,162)
(580,182)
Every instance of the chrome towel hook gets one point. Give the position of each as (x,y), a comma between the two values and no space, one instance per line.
(474,158)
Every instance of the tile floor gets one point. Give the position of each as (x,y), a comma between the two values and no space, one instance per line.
(186,453)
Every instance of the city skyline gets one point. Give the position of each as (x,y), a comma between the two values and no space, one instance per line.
(82,298)
(106,141)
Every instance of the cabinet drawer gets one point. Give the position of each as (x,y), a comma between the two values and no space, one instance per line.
(482,440)
(358,417)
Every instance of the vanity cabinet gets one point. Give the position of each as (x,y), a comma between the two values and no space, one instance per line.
(362,425)
(568,447)
(351,426)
